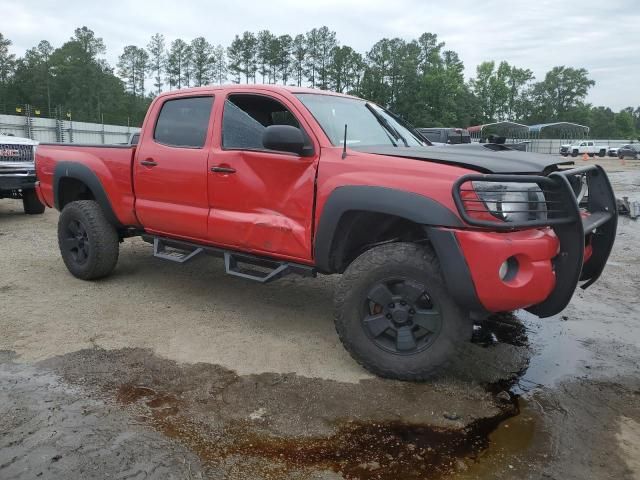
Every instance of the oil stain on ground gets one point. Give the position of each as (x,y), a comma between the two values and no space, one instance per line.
(282,425)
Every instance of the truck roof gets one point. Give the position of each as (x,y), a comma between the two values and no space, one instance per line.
(254,87)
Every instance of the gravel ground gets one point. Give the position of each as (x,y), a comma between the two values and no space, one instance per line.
(166,371)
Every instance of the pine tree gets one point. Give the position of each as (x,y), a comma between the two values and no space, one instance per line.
(158,58)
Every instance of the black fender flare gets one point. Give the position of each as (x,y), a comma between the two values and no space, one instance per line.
(84,174)
(410,206)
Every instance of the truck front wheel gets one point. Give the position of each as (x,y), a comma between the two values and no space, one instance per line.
(88,242)
(31,203)
(394,315)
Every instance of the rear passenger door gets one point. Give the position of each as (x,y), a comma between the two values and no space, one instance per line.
(170,168)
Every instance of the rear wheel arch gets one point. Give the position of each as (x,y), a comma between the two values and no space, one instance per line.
(357,217)
(74,181)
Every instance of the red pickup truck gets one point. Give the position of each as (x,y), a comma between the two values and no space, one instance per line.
(280,180)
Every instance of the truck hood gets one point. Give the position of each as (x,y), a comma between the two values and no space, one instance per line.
(485,158)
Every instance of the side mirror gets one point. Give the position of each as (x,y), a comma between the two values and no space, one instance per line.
(283,138)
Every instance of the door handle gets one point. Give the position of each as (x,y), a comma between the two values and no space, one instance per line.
(149,162)
(220,169)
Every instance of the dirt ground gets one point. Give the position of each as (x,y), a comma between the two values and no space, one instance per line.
(179,371)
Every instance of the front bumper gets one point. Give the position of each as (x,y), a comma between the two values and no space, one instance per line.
(12,182)
(552,258)
(533,251)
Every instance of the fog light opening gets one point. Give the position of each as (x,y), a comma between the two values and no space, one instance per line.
(508,270)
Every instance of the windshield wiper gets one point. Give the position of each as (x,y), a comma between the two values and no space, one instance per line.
(386,125)
(409,127)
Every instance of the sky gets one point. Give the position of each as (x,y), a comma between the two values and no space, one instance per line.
(601,36)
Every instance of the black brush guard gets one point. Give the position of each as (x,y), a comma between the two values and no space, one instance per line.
(564,216)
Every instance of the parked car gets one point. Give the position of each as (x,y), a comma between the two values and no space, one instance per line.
(613,151)
(17,172)
(580,148)
(629,150)
(448,136)
(280,180)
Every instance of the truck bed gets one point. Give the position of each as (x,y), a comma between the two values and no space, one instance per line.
(111,164)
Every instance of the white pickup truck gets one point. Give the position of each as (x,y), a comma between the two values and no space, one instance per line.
(580,148)
(17,172)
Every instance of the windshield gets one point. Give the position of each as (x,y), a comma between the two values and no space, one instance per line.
(367,123)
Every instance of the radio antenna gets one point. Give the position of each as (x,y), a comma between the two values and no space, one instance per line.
(344,143)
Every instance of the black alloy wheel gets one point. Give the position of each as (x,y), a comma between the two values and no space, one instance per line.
(400,317)
(76,241)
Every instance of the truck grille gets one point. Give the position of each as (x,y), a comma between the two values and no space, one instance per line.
(16,153)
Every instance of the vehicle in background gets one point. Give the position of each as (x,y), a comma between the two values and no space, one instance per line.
(17,172)
(629,150)
(585,146)
(613,151)
(499,140)
(445,136)
(278,180)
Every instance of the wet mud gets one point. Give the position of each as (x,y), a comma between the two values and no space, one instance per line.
(276,426)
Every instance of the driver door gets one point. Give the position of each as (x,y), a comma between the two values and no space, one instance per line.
(260,200)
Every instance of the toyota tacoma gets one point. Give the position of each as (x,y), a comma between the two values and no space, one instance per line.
(280,180)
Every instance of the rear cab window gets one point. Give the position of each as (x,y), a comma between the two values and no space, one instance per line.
(184,122)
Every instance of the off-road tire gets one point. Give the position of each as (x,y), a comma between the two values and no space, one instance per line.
(31,203)
(101,238)
(417,263)
(602,153)
(574,153)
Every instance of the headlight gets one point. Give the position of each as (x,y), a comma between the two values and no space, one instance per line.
(513,202)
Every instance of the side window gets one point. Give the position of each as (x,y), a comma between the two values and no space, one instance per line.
(184,122)
(246,117)
(590,144)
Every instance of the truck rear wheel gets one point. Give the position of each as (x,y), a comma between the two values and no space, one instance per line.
(394,315)
(88,242)
(31,203)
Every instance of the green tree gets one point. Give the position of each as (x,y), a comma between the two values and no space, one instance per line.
(283,59)
(299,54)
(156,49)
(7,62)
(219,65)
(327,42)
(242,57)
(202,61)
(133,66)
(176,60)
(187,67)
(264,53)
(625,125)
(562,90)
(234,59)
(344,69)
(33,76)
(312,55)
